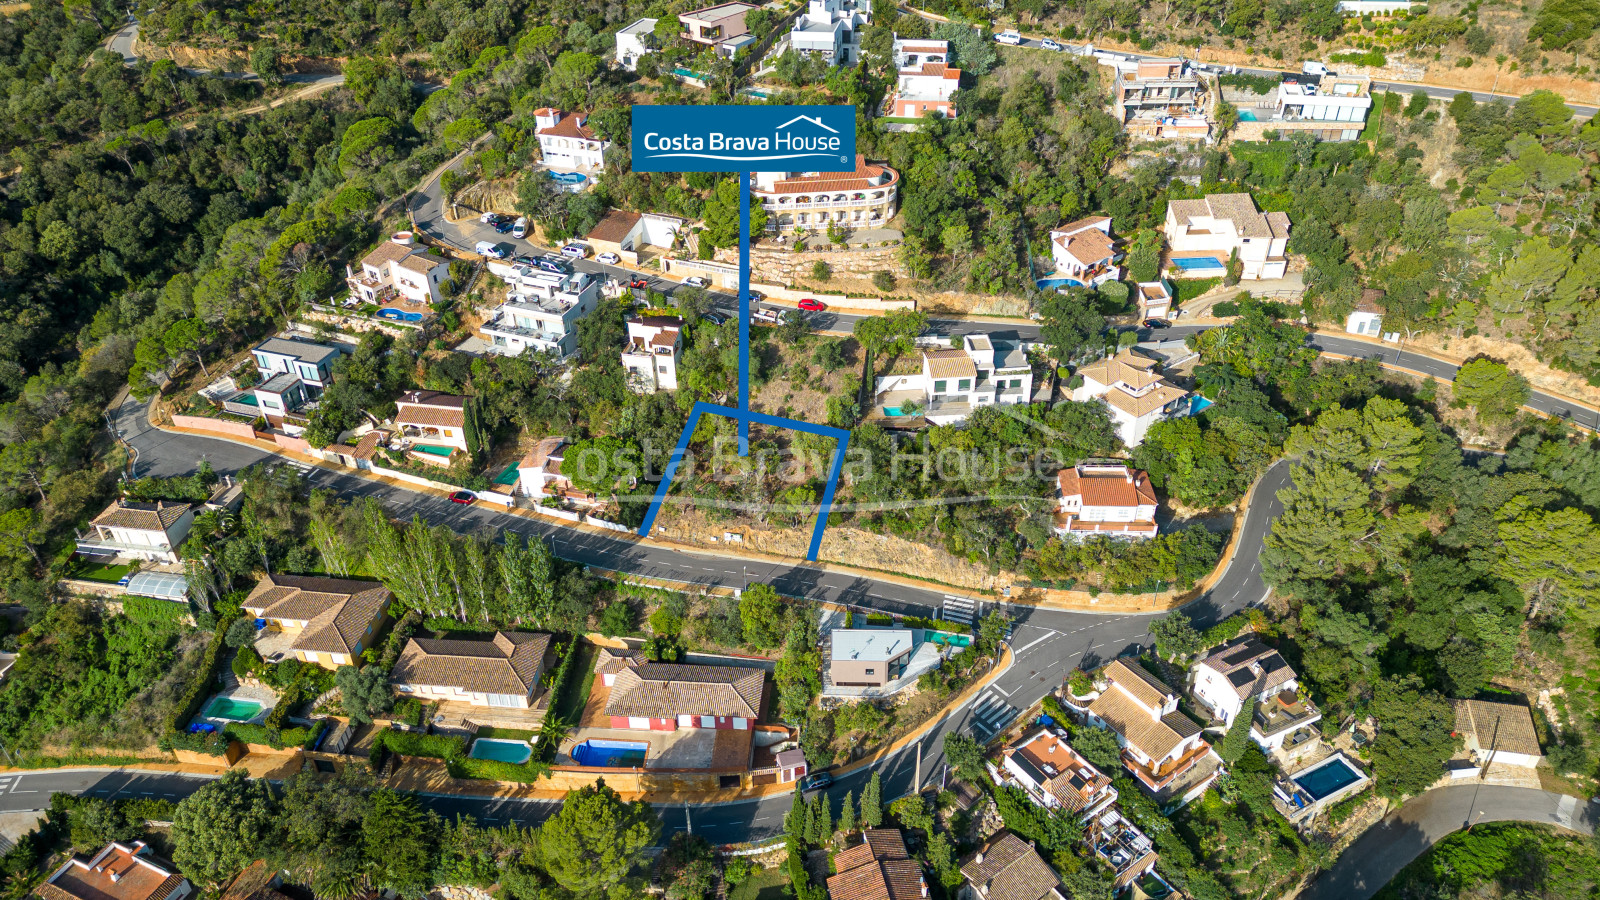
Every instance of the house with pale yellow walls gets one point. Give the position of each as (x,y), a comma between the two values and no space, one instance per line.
(329,621)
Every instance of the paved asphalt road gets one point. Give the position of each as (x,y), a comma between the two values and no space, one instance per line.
(1384,849)
(1407,87)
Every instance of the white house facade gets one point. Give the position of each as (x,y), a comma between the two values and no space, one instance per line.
(1203,234)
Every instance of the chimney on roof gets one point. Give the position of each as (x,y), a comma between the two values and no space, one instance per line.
(1127,474)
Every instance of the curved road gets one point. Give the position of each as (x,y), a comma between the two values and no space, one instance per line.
(1387,847)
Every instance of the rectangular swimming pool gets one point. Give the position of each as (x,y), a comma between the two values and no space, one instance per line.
(610,753)
(516,752)
(233,709)
(432,450)
(509,476)
(1198,263)
(1327,779)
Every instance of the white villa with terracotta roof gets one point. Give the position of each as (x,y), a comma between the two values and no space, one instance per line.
(567,142)
(654,696)
(1053,774)
(925,81)
(1105,497)
(120,871)
(327,621)
(400,269)
(1085,251)
(435,423)
(133,530)
(503,672)
(650,359)
(1137,396)
(1202,234)
(1161,746)
(864,198)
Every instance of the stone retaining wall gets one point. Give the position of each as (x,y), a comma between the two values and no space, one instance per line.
(217,426)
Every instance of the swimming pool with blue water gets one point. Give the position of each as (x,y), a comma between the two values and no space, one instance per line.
(1327,779)
(616,754)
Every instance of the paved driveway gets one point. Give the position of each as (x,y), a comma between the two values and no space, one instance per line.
(1379,854)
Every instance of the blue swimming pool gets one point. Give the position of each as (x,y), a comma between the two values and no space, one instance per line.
(1328,778)
(1198,263)
(893,411)
(516,752)
(1051,284)
(1198,404)
(399,315)
(1246,115)
(616,754)
(568,177)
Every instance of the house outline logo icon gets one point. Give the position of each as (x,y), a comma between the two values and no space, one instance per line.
(746,138)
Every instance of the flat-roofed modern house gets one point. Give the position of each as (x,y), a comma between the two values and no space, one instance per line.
(328,621)
(1498,733)
(120,871)
(1162,99)
(541,313)
(720,26)
(635,42)
(985,371)
(1054,775)
(869,657)
(1160,745)
(502,672)
(925,81)
(135,530)
(311,362)
(1008,868)
(831,30)
(1122,846)
(667,696)
(878,868)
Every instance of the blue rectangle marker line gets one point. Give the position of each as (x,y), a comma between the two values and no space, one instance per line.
(744,310)
(756,137)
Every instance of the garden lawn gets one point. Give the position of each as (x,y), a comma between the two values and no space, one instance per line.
(763,884)
(105,573)
(1186,289)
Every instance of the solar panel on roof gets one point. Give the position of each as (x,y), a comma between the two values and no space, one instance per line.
(160,585)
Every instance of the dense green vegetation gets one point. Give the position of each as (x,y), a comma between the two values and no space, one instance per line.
(1502,860)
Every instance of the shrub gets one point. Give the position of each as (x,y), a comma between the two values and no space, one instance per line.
(884,281)
(276,738)
(149,609)
(407,710)
(201,686)
(498,770)
(246,661)
(147,809)
(213,744)
(410,743)
(821,271)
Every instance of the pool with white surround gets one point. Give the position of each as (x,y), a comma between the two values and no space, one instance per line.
(501,750)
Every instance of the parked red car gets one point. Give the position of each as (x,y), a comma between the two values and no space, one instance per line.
(811,304)
(463,497)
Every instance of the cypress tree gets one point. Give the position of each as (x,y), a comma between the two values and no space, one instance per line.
(847,813)
(872,803)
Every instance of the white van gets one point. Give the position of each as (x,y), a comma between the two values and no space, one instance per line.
(519,229)
(1009,37)
(489,249)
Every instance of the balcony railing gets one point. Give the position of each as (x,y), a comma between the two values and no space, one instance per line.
(772,204)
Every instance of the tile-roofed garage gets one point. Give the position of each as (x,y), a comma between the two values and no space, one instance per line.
(668,690)
(878,868)
(1006,868)
(509,665)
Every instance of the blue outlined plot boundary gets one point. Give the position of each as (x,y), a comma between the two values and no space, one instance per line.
(744,417)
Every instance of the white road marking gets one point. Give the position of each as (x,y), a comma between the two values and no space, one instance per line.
(1002,690)
(1035,643)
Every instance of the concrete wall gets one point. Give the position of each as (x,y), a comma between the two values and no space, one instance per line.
(287,442)
(216,426)
(784,266)
(233,754)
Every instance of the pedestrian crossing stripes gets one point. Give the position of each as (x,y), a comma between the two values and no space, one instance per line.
(990,714)
(958,609)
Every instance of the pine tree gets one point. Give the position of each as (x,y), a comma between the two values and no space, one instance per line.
(872,803)
(812,837)
(824,819)
(847,813)
(1237,740)
(794,821)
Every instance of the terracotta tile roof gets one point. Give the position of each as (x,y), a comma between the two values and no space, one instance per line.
(859,180)
(1507,726)
(336,611)
(251,884)
(157,516)
(1128,706)
(1185,211)
(1279,223)
(423,262)
(610,661)
(664,690)
(118,872)
(387,252)
(570,125)
(1250,666)
(431,408)
(1104,486)
(1079,526)
(1086,222)
(368,445)
(1008,869)
(1126,367)
(1145,403)
(877,869)
(1059,770)
(950,364)
(1240,209)
(511,663)
(1088,246)
(541,453)
(614,227)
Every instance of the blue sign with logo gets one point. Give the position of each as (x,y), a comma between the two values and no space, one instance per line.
(744,138)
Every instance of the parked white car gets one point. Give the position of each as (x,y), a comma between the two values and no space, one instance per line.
(1049,44)
(490,249)
(519,228)
(1009,37)
(694,281)
(609,259)
(575,251)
